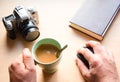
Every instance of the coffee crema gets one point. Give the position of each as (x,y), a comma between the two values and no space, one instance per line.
(47,53)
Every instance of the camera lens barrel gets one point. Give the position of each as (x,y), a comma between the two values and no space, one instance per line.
(30,31)
(32,34)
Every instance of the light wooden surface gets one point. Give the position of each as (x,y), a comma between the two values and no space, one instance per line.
(54,16)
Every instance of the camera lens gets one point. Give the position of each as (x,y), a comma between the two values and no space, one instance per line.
(30,31)
(32,34)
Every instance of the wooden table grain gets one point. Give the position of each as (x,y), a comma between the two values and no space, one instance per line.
(54,16)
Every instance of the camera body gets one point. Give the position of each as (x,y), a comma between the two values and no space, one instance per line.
(24,21)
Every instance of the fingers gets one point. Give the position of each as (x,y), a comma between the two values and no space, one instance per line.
(17,65)
(97,47)
(83,69)
(88,55)
(27,59)
(92,43)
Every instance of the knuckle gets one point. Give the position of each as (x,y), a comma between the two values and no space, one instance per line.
(17,63)
(32,69)
(97,44)
(95,62)
(14,64)
(85,75)
(27,56)
(92,73)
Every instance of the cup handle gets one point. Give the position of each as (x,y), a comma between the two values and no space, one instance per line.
(35,62)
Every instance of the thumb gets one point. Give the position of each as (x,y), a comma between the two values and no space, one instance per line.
(27,59)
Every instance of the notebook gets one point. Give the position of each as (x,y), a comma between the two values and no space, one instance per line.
(95,16)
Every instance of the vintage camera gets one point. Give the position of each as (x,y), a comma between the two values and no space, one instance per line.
(24,21)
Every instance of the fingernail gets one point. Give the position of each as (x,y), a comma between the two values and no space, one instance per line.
(26,51)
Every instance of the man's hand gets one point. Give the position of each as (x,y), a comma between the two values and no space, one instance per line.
(102,64)
(23,68)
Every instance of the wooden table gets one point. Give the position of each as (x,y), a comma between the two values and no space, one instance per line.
(54,16)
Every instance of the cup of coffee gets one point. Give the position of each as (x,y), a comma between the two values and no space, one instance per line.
(47,54)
